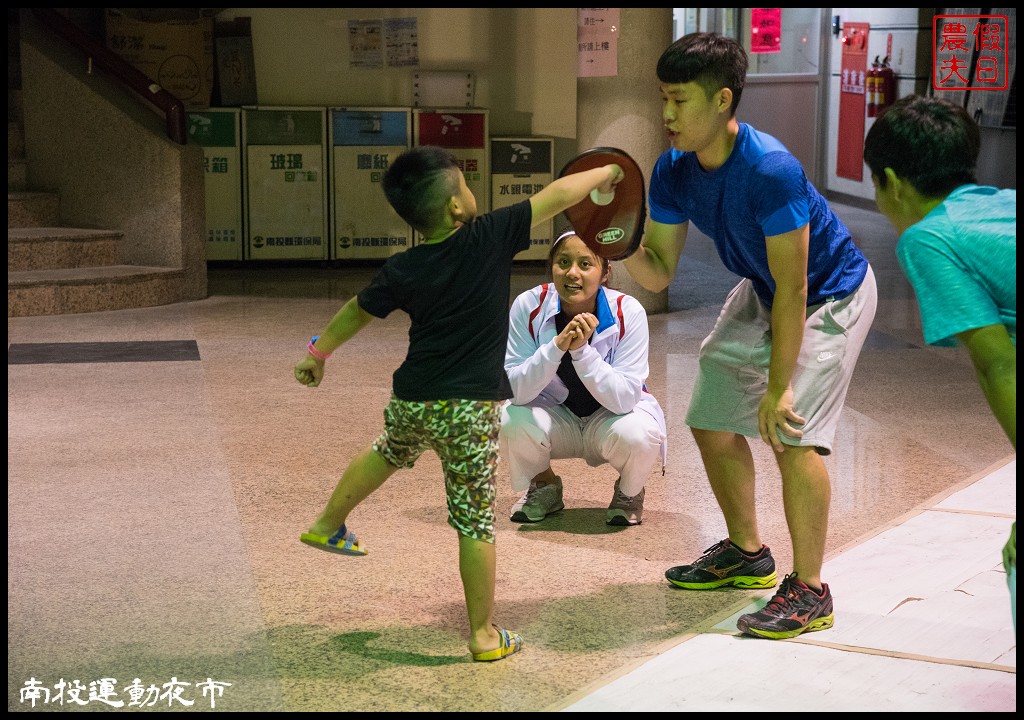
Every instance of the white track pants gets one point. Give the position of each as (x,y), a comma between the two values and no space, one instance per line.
(531,437)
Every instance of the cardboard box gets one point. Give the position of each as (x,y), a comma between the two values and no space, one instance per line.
(176,53)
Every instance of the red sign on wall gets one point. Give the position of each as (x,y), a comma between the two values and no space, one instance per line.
(765,30)
(970,51)
(850,157)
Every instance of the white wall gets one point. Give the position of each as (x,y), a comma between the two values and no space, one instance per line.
(523,60)
(911,61)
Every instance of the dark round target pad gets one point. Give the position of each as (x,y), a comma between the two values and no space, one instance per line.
(612,231)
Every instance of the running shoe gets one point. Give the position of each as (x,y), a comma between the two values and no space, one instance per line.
(626,510)
(538,502)
(723,564)
(794,609)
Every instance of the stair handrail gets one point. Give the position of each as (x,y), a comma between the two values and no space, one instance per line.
(136,80)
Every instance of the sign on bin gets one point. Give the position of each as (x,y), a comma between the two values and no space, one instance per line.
(464,133)
(217,131)
(521,167)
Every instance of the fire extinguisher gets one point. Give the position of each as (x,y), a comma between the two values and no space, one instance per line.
(885,86)
(871,82)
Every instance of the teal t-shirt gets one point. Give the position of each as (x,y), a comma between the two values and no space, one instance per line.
(961,259)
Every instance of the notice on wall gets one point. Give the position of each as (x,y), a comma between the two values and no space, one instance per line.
(765,30)
(365,43)
(374,43)
(597,46)
(401,41)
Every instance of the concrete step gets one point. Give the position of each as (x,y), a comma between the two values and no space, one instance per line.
(45,248)
(32,209)
(93,289)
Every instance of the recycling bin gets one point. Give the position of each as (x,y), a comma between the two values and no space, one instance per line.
(285,151)
(218,131)
(364,142)
(521,167)
(464,132)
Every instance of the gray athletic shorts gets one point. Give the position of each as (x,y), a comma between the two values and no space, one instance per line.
(734,360)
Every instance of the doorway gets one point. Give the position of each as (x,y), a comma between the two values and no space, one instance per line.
(785,94)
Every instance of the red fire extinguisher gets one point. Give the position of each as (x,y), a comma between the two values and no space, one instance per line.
(871,82)
(885,86)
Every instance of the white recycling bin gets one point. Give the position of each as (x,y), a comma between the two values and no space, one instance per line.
(521,167)
(285,151)
(463,131)
(218,131)
(364,142)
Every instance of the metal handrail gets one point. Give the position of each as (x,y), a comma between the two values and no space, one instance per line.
(136,80)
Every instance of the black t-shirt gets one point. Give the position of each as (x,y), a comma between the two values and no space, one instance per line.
(580,401)
(456,293)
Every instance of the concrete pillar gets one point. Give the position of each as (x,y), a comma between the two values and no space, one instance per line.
(624,111)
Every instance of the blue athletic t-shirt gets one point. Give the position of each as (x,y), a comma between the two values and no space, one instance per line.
(760,191)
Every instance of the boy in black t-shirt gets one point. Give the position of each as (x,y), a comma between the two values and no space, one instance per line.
(448,393)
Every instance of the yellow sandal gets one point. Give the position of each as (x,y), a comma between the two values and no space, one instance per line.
(343,542)
(510,643)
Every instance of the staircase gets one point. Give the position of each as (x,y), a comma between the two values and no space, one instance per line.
(51,269)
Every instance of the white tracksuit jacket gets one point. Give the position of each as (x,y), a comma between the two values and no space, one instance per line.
(613,365)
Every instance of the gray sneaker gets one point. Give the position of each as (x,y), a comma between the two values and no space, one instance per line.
(538,502)
(625,510)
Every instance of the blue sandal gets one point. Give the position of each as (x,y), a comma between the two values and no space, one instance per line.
(343,542)
(510,643)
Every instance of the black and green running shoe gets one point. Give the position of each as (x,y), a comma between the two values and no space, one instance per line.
(723,564)
(796,608)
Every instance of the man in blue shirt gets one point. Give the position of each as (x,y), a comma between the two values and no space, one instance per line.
(778,363)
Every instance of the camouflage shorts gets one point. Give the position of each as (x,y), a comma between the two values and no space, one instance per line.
(464,434)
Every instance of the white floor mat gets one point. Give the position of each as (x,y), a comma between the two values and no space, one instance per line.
(923,623)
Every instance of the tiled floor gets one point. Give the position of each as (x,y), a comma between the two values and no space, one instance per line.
(154,508)
(933,636)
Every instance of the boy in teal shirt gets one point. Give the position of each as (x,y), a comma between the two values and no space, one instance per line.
(957,246)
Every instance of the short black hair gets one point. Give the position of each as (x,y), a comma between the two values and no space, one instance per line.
(709,59)
(419,184)
(930,142)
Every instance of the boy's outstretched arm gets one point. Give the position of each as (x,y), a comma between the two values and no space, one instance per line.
(349,320)
(567,191)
